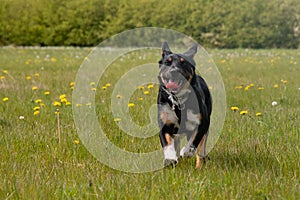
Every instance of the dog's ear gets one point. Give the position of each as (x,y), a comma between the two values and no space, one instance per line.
(165,49)
(192,51)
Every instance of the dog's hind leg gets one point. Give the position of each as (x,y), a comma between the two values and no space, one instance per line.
(201,154)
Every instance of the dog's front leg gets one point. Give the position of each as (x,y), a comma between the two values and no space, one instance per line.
(169,126)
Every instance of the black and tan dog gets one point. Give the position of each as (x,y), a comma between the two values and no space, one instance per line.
(184,106)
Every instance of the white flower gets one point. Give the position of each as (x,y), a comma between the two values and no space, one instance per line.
(274,103)
(21,117)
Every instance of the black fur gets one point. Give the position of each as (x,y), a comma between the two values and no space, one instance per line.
(180,70)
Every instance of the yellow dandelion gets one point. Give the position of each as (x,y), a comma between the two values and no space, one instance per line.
(107,84)
(64,100)
(2,77)
(284,81)
(247,88)
(150,86)
(36,74)
(141,87)
(92,83)
(42,104)
(130,104)
(244,112)
(72,88)
(34,88)
(78,104)
(37,112)
(56,103)
(36,108)
(68,103)
(119,96)
(5,71)
(146,92)
(88,104)
(38,101)
(275,86)
(93,89)
(72,84)
(5,99)
(53,59)
(234,108)
(258,114)
(260,88)
(117,119)
(46,93)
(140,99)
(103,87)
(251,85)
(239,87)
(28,77)
(62,96)
(76,142)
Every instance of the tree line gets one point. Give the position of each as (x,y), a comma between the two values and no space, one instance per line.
(213,23)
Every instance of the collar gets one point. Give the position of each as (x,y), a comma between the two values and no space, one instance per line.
(178,99)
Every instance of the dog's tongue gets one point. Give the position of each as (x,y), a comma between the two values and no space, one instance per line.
(172,85)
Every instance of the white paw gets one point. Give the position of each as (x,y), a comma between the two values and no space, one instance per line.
(170,153)
(188,151)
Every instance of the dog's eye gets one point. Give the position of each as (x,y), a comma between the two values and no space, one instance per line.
(169,61)
(181,59)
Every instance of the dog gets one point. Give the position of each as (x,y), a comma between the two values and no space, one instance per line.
(184,106)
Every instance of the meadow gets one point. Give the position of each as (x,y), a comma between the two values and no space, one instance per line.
(42,156)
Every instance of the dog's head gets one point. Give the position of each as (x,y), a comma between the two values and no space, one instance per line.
(176,70)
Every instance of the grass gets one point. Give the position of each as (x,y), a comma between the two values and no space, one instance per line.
(256,157)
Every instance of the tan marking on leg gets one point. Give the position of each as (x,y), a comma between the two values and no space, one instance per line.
(201,151)
(198,162)
(168,138)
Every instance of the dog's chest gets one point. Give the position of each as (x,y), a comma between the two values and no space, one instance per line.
(185,120)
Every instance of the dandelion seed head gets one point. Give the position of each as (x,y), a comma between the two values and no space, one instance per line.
(274,103)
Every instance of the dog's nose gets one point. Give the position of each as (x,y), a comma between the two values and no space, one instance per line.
(173,68)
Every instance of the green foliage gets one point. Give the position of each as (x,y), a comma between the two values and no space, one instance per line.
(214,23)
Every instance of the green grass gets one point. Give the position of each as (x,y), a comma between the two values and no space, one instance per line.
(255,157)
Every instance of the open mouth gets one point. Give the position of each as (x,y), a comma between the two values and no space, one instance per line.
(174,85)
